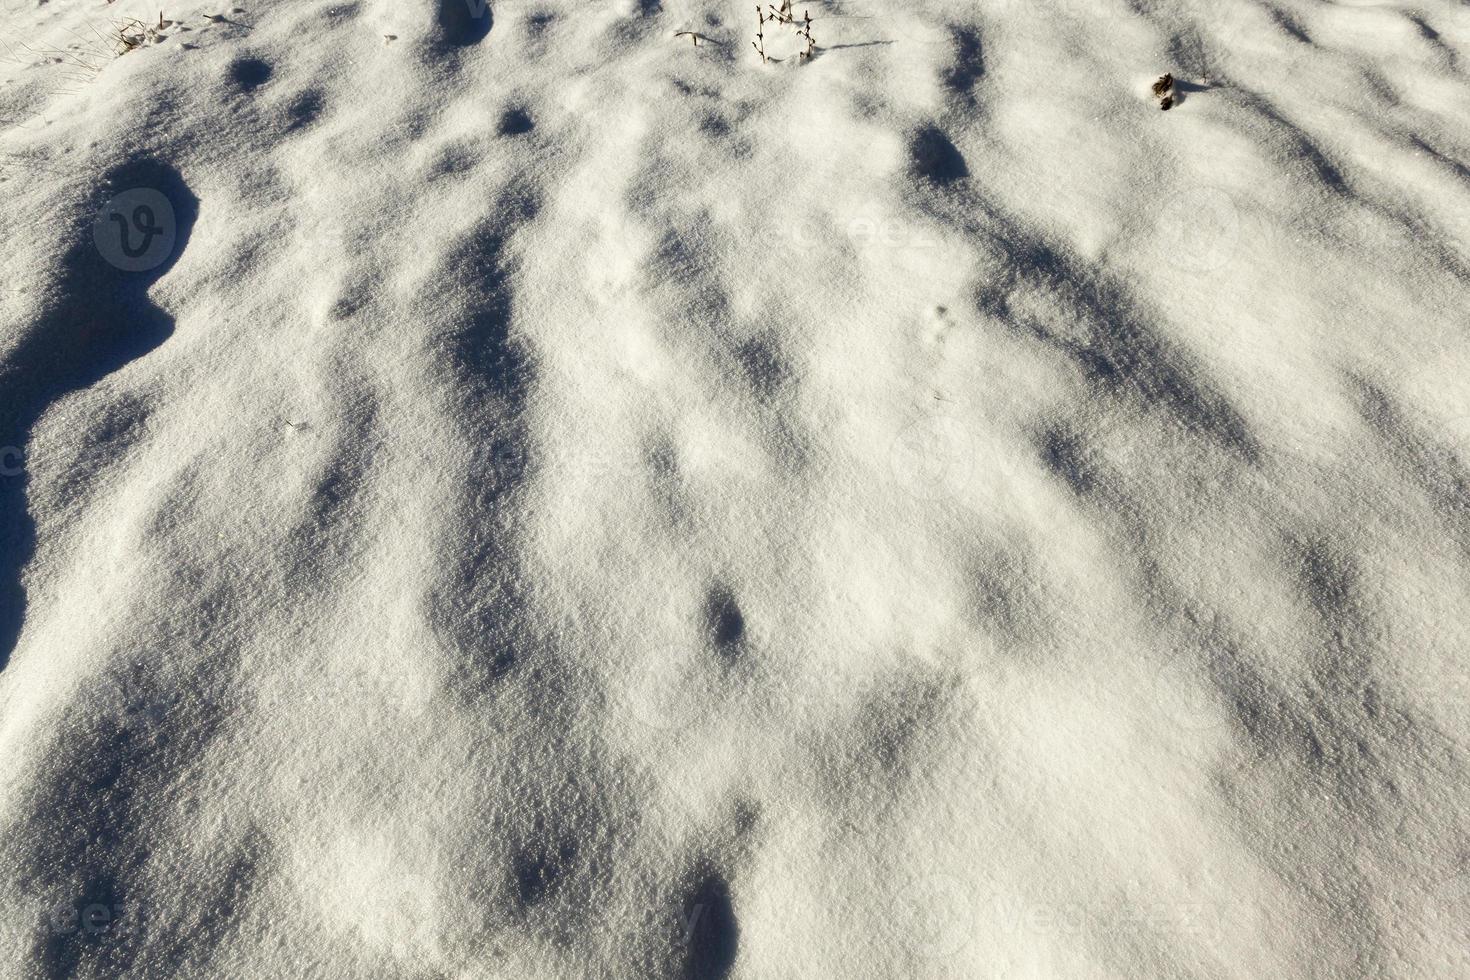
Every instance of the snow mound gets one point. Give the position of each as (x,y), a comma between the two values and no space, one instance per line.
(495,488)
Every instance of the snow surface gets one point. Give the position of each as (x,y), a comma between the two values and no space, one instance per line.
(532,496)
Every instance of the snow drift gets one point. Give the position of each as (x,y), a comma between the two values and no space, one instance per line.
(502,490)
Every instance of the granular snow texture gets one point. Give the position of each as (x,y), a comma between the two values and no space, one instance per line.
(502,490)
